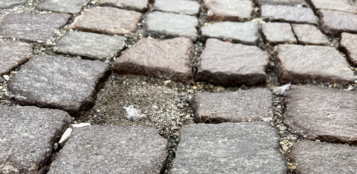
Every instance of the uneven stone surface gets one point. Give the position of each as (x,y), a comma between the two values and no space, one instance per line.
(11,3)
(228,10)
(67,6)
(112,149)
(185,7)
(316,158)
(169,24)
(282,2)
(246,32)
(27,136)
(13,54)
(240,106)
(228,64)
(165,59)
(288,14)
(107,20)
(336,22)
(229,148)
(278,33)
(349,45)
(340,5)
(299,64)
(309,35)
(138,5)
(32,27)
(58,82)
(321,113)
(95,46)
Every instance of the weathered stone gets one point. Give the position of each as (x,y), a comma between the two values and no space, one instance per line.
(67,6)
(107,20)
(229,148)
(165,59)
(340,5)
(336,22)
(27,136)
(288,14)
(321,113)
(168,24)
(278,33)
(317,158)
(138,5)
(228,10)
(240,106)
(112,149)
(32,27)
(228,64)
(246,32)
(349,46)
(282,2)
(58,82)
(309,34)
(13,54)
(11,3)
(300,64)
(96,46)
(177,6)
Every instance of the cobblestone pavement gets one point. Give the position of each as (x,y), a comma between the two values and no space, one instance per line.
(178,86)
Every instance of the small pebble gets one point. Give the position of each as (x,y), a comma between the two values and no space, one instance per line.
(6,77)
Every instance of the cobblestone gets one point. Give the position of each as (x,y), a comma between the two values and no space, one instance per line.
(278,33)
(336,22)
(228,10)
(184,7)
(341,5)
(4,4)
(288,14)
(67,6)
(309,35)
(138,5)
(349,45)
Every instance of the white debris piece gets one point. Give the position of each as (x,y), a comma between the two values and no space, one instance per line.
(79,125)
(65,137)
(280,90)
(133,114)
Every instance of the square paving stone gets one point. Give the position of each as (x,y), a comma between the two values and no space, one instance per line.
(227,64)
(278,33)
(245,32)
(91,45)
(309,35)
(240,106)
(338,5)
(58,82)
(32,27)
(288,14)
(349,45)
(27,136)
(229,148)
(112,149)
(282,2)
(160,24)
(11,3)
(228,10)
(13,54)
(66,6)
(317,158)
(107,20)
(336,22)
(138,5)
(300,64)
(185,7)
(165,59)
(322,113)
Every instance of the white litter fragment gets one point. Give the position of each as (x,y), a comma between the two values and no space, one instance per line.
(65,137)
(281,90)
(6,77)
(79,125)
(133,114)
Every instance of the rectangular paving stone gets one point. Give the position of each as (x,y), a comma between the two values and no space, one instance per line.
(338,5)
(107,20)
(309,35)
(4,4)
(281,13)
(32,27)
(321,113)
(317,158)
(27,136)
(229,148)
(13,54)
(165,59)
(278,33)
(229,10)
(91,45)
(58,82)
(112,149)
(300,64)
(245,32)
(159,24)
(282,2)
(240,106)
(228,64)
(184,7)
(336,22)
(138,5)
(66,6)
(349,46)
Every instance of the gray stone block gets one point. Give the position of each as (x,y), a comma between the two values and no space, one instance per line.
(185,7)
(281,13)
(229,10)
(340,5)
(138,5)
(336,22)
(349,46)
(11,3)
(278,33)
(66,6)
(282,2)
(309,35)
